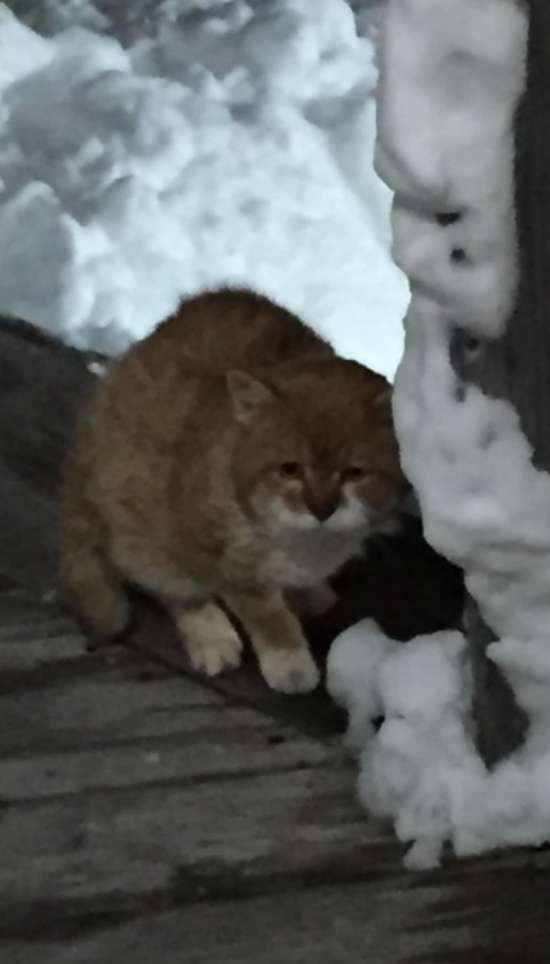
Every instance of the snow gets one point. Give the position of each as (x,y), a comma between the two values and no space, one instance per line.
(484,505)
(459,63)
(421,767)
(21,50)
(230,147)
(352,668)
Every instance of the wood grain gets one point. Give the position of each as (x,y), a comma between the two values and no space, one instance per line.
(328,925)
(239,834)
(42,384)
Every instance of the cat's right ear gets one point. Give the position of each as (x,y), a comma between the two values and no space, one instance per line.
(248,394)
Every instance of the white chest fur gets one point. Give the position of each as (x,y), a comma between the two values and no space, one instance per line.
(304,558)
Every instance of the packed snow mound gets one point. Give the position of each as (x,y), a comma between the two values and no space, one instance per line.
(230,147)
(352,668)
(421,767)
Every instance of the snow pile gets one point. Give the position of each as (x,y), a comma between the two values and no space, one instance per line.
(483,503)
(421,767)
(21,50)
(233,145)
(452,75)
(352,669)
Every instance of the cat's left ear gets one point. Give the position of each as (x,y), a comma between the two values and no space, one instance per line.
(248,394)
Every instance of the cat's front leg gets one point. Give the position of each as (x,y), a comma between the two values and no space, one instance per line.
(277,638)
(212,643)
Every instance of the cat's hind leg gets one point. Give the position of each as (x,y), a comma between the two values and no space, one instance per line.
(90,585)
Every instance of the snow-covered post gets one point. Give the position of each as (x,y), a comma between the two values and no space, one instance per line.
(472,394)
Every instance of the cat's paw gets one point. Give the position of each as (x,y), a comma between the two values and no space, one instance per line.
(289,672)
(219,653)
(212,643)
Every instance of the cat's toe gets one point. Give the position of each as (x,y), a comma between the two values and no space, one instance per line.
(289,672)
(212,658)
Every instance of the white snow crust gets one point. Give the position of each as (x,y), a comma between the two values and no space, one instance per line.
(451,75)
(230,147)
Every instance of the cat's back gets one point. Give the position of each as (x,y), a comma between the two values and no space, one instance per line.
(234,328)
(178,370)
(170,387)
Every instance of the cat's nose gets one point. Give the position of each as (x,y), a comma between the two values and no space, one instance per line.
(322,507)
(324,514)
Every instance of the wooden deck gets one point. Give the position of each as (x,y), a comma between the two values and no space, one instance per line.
(148,817)
(145,817)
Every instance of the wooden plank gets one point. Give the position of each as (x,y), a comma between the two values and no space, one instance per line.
(87,711)
(29,526)
(23,607)
(46,673)
(113,852)
(352,924)
(42,649)
(475,912)
(34,633)
(42,384)
(114,849)
(206,742)
(51,626)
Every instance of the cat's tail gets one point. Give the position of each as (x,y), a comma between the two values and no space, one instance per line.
(90,586)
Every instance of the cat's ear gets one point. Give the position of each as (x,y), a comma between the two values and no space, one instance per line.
(248,394)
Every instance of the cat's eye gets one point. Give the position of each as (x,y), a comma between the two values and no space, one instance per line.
(353,473)
(290,470)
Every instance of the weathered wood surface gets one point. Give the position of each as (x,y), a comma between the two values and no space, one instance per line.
(144,817)
(42,384)
(373,922)
(327,925)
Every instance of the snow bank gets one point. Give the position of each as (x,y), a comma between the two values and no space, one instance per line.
(483,503)
(421,768)
(234,146)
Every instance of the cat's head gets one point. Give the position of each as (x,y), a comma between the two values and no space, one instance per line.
(316,446)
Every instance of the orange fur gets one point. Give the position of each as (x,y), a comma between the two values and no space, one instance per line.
(229,456)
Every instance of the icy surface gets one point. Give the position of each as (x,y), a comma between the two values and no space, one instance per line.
(483,503)
(235,147)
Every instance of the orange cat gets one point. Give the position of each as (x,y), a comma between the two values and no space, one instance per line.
(227,458)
